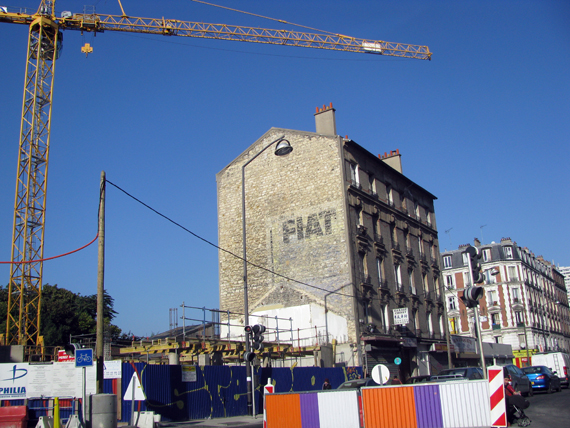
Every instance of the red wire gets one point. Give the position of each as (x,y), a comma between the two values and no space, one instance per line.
(54,257)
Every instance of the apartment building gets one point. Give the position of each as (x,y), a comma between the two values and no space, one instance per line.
(525,302)
(343,248)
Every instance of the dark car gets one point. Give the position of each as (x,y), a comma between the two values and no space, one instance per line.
(543,379)
(357,383)
(519,380)
(418,379)
(458,373)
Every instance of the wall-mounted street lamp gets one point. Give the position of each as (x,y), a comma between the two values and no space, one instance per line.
(282,148)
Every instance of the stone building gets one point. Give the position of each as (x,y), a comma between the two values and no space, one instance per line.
(337,240)
(525,295)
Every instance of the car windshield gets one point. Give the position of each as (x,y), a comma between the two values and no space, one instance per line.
(532,370)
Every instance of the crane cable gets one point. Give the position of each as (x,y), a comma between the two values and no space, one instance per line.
(268,17)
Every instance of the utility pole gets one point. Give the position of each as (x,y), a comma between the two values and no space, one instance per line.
(101,287)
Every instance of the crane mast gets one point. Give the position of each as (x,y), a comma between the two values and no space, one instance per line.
(44,46)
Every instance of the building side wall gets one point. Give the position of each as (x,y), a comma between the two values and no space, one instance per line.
(295,228)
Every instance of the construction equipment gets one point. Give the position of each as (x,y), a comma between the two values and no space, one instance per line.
(44,47)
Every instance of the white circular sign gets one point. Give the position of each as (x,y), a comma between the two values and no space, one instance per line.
(380,374)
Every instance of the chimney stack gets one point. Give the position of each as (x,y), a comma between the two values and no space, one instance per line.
(325,121)
(393,159)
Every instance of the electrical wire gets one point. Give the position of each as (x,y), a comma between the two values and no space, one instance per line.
(237,256)
(53,257)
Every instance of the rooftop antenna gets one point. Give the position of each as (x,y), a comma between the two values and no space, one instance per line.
(481,227)
(449,236)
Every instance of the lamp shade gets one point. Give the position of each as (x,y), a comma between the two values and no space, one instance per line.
(283,148)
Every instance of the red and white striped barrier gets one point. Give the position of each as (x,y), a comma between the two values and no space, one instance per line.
(497,396)
(267,389)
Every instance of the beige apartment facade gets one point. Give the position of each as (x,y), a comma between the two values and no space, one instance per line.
(337,240)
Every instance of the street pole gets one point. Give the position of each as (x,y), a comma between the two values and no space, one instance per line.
(101,287)
(447,338)
(477,325)
(281,150)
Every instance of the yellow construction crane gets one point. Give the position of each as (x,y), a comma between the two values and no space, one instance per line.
(44,47)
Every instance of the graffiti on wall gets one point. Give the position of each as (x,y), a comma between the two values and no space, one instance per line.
(315,224)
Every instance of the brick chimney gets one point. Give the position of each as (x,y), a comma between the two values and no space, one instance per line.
(325,121)
(393,159)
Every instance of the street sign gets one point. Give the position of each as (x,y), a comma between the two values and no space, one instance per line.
(83,357)
(380,374)
(134,390)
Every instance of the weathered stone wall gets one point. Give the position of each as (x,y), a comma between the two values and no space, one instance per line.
(295,224)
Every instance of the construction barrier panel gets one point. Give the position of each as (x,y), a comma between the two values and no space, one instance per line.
(327,409)
(432,405)
(14,417)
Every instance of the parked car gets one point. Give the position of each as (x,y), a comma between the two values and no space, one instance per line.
(558,362)
(357,383)
(519,380)
(418,379)
(458,373)
(543,379)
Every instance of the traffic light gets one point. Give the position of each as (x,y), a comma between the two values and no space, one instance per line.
(471,296)
(249,356)
(475,264)
(473,293)
(258,331)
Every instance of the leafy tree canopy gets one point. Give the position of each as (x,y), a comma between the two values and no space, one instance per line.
(65,314)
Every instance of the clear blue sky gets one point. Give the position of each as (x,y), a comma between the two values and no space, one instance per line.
(484,126)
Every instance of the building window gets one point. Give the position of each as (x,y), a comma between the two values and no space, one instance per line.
(447,261)
(428,217)
(508,252)
(354,175)
(450,281)
(389,195)
(519,319)
(412,283)
(436,286)
(386,317)
(364,266)
(417,210)
(372,185)
(489,278)
(398,277)
(359,216)
(492,298)
(516,295)
(452,303)
(496,320)
(380,269)
(454,325)
(512,272)
(465,259)
(420,245)
(487,255)
(393,234)
(429,324)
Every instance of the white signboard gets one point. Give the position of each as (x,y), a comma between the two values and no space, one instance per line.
(13,380)
(463,344)
(189,374)
(112,370)
(400,316)
(35,380)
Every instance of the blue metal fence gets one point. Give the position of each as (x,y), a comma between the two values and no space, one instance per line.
(218,391)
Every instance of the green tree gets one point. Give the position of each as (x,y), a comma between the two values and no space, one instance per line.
(64,314)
